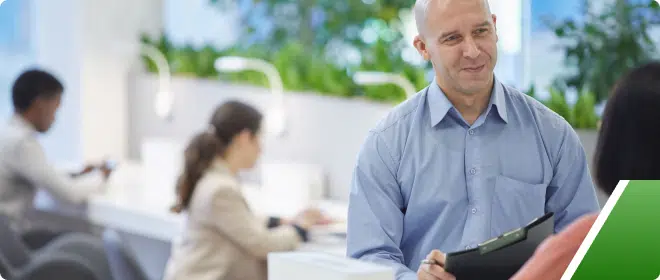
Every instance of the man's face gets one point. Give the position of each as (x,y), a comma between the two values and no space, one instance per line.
(460,40)
(47,109)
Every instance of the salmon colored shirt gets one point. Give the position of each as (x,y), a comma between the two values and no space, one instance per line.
(552,257)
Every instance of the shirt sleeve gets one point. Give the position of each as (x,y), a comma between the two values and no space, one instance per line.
(375,217)
(31,164)
(553,256)
(571,193)
(231,217)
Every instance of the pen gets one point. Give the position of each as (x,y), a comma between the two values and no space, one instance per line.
(430,262)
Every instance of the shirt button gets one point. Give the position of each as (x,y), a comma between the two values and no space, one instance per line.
(473,171)
(471,131)
(474,210)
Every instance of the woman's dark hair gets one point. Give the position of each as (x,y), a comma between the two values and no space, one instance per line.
(628,146)
(228,120)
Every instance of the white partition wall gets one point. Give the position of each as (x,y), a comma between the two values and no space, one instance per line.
(510,31)
(91,45)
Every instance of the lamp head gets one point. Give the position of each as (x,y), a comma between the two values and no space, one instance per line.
(230,64)
(372,78)
(163,104)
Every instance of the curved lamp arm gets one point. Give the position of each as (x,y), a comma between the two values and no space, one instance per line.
(164,97)
(275,119)
(379,78)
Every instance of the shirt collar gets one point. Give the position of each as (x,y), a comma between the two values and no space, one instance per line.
(439,105)
(220,165)
(20,122)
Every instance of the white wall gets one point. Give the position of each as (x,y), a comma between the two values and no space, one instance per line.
(111,47)
(321,130)
(90,45)
(57,40)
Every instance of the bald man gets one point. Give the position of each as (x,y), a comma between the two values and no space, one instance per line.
(465,159)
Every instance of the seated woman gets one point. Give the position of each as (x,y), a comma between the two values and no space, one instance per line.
(223,238)
(627,149)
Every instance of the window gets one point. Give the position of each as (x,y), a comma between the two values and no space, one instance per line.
(15,47)
(543,62)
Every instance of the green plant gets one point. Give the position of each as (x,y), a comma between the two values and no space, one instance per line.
(301,69)
(604,46)
(314,23)
(303,37)
(581,115)
(557,103)
(584,113)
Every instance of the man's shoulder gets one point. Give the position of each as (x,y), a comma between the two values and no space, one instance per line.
(401,114)
(529,107)
(10,135)
(521,100)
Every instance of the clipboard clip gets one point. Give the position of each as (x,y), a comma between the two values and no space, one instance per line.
(502,241)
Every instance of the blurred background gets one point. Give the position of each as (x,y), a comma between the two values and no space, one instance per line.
(143,76)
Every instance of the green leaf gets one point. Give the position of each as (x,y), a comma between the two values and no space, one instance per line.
(605,46)
(558,104)
(584,113)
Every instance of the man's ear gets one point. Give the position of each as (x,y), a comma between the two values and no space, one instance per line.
(497,37)
(420,45)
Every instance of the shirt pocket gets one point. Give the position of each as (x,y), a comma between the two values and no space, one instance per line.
(515,204)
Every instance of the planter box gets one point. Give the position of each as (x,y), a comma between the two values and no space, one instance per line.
(323,130)
(589,138)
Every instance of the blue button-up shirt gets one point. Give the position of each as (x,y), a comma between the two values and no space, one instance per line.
(426,179)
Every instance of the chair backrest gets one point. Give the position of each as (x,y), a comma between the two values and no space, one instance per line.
(12,248)
(6,270)
(122,261)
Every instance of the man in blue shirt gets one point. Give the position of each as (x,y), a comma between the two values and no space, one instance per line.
(464,160)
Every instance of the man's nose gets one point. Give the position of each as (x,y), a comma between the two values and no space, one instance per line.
(470,49)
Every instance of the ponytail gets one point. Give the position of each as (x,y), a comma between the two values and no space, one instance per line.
(198,157)
(228,120)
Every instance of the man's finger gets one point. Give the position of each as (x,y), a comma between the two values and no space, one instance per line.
(425,274)
(437,256)
(439,272)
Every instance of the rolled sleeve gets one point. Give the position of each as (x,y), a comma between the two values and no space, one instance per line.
(571,193)
(30,162)
(375,217)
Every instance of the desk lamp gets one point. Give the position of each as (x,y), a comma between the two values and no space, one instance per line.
(275,117)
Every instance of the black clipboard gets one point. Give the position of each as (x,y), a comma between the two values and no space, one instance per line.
(503,256)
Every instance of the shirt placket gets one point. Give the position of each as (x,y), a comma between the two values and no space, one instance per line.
(473,171)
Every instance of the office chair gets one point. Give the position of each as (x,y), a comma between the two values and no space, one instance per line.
(123,263)
(71,256)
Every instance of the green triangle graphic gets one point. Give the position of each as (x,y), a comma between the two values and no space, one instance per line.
(628,244)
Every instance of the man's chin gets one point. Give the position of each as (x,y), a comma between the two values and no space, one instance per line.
(476,86)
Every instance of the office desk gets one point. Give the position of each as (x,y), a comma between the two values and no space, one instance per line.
(131,206)
(139,211)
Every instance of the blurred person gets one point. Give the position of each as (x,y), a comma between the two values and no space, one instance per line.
(223,238)
(464,160)
(36,97)
(626,150)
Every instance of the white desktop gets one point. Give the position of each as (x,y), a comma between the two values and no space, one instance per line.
(321,266)
(139,195)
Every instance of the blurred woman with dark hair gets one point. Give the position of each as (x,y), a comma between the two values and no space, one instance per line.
(628,149)
(222,238)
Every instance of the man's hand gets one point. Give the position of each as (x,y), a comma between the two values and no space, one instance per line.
(105,167)
(106,170)
(87,169)
(433,268)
